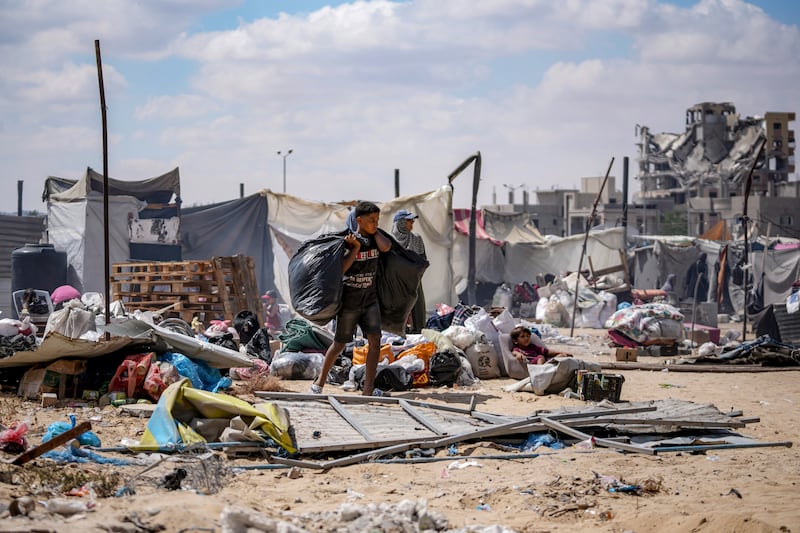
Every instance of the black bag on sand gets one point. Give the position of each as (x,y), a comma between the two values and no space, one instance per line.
(315,277)
(399,274)
(387,378)
(444,368)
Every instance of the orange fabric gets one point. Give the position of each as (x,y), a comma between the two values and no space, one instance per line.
(360,354)
(423,350)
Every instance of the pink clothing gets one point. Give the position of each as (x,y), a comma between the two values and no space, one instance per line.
(535,354)
(273,319)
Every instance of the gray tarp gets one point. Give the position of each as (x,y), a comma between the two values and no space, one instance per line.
(780,268)
(129,333)
(231,228)
(153,190)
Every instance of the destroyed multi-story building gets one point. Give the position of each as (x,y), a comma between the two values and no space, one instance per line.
(703,171)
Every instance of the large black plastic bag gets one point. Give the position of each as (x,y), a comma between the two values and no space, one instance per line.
(315,277)
(444,368)
(399,274)
(387,377)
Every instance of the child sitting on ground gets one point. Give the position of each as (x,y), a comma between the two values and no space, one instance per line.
(528,352)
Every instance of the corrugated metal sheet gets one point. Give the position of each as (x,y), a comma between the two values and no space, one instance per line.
(16,232)
(788,325)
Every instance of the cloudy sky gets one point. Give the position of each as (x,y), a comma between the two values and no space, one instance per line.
(548,91)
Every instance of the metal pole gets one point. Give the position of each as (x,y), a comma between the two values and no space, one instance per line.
(396,182)
(284,156)
(583,249)
(19,198)
(625,196)
(746,222)
(472,222)
(107,285)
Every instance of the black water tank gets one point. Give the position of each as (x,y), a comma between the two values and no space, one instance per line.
(37,266)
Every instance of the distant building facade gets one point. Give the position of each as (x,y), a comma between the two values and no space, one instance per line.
(697,177)
(703,171)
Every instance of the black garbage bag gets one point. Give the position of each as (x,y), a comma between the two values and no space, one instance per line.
(399,274)
(315,277)
(246,324)
(387,378)
(258,345)
(444,369)
(340,371)
(225,340)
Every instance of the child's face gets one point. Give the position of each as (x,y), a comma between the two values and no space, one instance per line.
(524,338)
(368,223)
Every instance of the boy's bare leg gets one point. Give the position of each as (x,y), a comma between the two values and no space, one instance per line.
(330,358)
(373,352)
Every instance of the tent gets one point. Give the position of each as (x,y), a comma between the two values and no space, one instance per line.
(75,221)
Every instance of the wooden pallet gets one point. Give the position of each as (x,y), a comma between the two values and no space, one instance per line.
(217,288)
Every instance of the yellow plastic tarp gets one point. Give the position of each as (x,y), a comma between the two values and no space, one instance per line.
(180,404)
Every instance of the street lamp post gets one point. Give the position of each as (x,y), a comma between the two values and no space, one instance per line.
(284,156)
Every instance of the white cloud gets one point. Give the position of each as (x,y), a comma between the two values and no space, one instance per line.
(179,106)
(548,91)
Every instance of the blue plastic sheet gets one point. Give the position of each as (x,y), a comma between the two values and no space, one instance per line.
(57,428)
(536,440)
(76,454)
(201,375)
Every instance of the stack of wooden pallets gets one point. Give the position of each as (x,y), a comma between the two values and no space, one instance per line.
(214,289)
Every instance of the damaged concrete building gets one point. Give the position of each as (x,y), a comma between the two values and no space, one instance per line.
(702,172)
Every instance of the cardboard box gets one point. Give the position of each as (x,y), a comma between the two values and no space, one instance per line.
(49,399)
(52,378)
(626,354)
(698,336)
(711,334)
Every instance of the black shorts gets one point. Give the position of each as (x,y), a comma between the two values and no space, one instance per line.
(369,318)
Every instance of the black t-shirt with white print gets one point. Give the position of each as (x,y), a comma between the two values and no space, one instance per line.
(359,280)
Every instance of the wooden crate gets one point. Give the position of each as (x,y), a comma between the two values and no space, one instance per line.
(217,288)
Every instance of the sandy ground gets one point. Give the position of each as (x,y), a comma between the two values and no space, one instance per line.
(742,490)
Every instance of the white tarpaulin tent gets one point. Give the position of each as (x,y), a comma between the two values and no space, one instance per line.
(293,220)
(77,228)
(75,220)
(559,255)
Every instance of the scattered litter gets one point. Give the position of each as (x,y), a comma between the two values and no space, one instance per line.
(460,464)
(66,507)
(733,492)
(353,495)
(172,481)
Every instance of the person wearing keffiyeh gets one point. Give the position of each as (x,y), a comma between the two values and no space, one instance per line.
(401,231)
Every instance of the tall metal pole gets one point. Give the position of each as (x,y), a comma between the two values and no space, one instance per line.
(589,222)
(476,178)
(19,198)
(396,182)
(107,286)
(284,156)
(625,196)
(746,221)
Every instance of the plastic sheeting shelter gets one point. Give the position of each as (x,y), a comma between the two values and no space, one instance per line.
(270,227)
(777,265)
(75,219)
(293,220)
